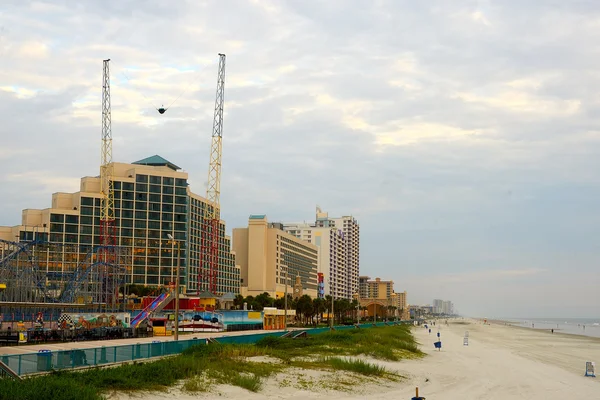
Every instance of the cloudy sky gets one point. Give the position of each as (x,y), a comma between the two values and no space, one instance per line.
(463,135)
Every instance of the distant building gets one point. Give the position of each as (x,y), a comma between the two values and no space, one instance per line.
(267,255)
(438,306)
(399,300)
(375,289)
(447,308)
(339,241)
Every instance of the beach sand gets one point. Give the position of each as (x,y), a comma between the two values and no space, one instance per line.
(501,362)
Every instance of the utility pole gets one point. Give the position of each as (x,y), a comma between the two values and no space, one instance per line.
(172,239)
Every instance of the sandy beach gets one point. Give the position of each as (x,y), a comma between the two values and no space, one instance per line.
(501,362)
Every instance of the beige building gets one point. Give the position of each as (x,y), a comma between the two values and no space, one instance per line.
(375,289)
(267,254)
(377,295)
(152,199)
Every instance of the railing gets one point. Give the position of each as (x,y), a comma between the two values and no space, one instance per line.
(45,361)
(7,373)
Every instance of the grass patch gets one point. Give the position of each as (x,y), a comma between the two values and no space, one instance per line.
(197,384)
(356,366)
(250,382)
(203,365)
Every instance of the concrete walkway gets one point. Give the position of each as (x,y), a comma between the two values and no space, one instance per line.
(54,346)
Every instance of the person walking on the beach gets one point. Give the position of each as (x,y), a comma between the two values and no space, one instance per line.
(552,330)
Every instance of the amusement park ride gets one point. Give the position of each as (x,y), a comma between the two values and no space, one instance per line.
(29,276)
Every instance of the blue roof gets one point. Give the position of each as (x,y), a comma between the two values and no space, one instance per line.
(157,161)
(258,216)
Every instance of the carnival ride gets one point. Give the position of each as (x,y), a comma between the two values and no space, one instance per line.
(52,274)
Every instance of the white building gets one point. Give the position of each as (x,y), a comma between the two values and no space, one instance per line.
(448,308)
(438,306)
(338,242)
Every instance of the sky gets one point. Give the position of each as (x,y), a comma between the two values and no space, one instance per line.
(462,135)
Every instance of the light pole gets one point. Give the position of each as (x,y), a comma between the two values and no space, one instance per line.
(172,240)
(285,299)
(357,295)
(332,312)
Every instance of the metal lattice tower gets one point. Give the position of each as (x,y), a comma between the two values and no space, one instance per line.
(107,218)
(210,240)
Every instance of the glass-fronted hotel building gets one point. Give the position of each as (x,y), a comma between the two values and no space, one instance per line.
(152,199)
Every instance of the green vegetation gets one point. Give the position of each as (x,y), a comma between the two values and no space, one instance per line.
(386,343)
(239,365)
(357,366)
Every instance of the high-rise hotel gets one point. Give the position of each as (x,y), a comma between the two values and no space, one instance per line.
(152,199)
(338,240)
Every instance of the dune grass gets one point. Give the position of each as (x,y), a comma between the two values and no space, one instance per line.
(385,343)
(204,365)
(357,366)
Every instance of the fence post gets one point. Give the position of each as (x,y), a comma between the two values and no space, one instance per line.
(19,369)
(95,356)
(115,353)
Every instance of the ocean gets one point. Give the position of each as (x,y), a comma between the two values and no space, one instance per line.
(575,326)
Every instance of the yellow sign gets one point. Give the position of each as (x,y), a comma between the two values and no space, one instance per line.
(254,315)
(2,286)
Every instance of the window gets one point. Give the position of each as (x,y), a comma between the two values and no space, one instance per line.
(153,225)
(85,239)
(141,215)
(141,178)
(87,201)
(57,218)
(155,179)
(56,227)
(154,189)
(71,228)
(180,182)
